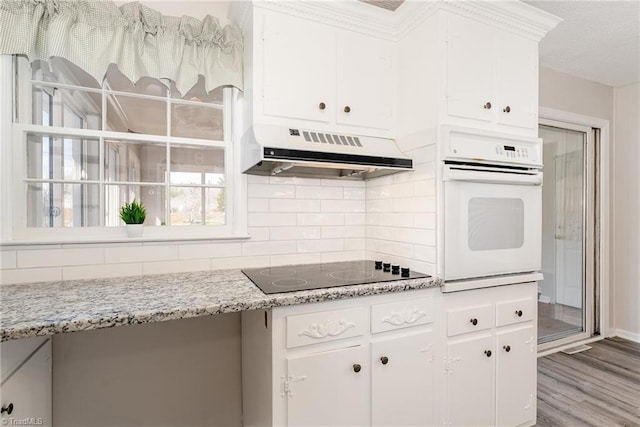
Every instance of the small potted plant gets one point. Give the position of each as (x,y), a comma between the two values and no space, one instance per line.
(133,214)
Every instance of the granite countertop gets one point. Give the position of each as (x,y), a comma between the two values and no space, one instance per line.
(48,308)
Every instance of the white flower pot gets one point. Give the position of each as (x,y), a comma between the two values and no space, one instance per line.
(135,230)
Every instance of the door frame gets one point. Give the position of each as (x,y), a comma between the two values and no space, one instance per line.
(550,115)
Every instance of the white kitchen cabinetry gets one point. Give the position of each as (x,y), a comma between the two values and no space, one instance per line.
(492,75)
(363,361)
(490,365)
(305,73)
(25,392)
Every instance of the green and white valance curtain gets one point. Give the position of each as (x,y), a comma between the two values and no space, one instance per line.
(142,42)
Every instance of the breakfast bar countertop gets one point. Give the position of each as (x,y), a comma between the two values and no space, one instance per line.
(48,308)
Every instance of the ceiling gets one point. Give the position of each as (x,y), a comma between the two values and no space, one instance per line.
(597,40)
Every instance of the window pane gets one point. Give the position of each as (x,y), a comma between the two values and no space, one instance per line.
(59,70)
(151,196)
(197,206)
(72,108)
(62,205)
(68,158)
(136,115)
(197,165)
(132,161)
(201,121)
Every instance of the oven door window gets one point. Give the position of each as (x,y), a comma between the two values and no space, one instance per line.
(495,223)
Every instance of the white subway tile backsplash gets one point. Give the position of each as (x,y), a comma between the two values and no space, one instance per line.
(143,254)
(294,205)
(424,220)
(318,192)
(272,219)
(182,266)
(26,275)
(343,256)
(8,259)
(425,253)
(321,219)
(257,179)
(396,248)
(359,218)
(209,250)
(343,183)
(289,259)
(269,191)
(342,232)
(59,257)
(259,233)
(326,245)
(295,233)
(343,206)
(396,219)
(268,248)
(239,262)
(355,193)
(355,244)
(257,205)
(293,180)
(101,271)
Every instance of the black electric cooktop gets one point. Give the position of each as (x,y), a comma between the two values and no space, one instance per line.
(290,278)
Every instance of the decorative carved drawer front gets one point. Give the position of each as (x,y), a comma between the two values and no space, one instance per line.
(312,328)
(469,319)
(515,311)
(402,314)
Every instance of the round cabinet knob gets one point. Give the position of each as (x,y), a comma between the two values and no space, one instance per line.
(473,321)
(488,353)
(347,109)
(507,109)
(356,368)
(8,409)
(384,360)
(507,348)
(487,106)
(322,106)
(519,313)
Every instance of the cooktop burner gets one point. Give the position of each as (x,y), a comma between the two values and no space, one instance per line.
(290,278)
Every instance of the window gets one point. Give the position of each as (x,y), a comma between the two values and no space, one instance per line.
(82,148)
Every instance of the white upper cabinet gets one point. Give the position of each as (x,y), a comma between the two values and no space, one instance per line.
(365,81)
(313,74)
(491,76)
(299,69)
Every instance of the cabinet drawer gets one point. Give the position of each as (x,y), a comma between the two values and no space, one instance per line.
(401,314)
(515,311)
(304,329)
(469,319)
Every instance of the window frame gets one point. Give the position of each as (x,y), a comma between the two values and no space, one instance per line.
(13,212)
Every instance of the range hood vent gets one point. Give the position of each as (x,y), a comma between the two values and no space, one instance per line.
(281,150)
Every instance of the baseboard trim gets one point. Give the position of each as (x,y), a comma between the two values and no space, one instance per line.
(569,345)
(631,336)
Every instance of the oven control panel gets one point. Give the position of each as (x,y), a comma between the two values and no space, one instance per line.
(477,145)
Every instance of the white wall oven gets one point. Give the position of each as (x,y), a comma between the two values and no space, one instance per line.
(492,205)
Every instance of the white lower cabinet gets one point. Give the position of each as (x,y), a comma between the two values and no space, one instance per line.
(490,368)
(25,392)
(359,362)
(402,392)
(329,388)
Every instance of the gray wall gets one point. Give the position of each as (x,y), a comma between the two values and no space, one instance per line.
(175,373)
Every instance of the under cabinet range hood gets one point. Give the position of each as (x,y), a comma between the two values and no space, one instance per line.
(288,151)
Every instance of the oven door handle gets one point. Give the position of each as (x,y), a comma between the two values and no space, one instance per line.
(492,177)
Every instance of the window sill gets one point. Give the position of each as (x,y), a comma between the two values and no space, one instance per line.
(7,244)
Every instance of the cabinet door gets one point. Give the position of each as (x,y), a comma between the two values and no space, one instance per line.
(470,370)
(29,390)
(299,68)
(470,69)
(516,376)
(365,81)
(324,389)
(517,81)
(402,381)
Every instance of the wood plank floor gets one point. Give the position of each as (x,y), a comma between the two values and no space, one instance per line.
(598,387)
